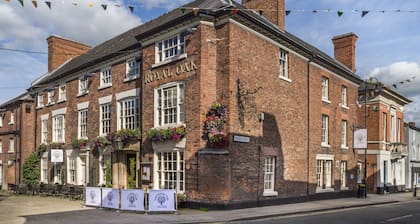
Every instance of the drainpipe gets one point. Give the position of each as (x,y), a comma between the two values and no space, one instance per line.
(308,129)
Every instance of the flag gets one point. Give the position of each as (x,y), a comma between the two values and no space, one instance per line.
(234,11)
(261,12)
(7,0)
(195,11)
(131,8)
(104,6)
(364,13)
(35,3)
(314,11)
(74,3)
(339,13)
(288,12)
(48,4)
(90,4)
(21,2)
(183,10)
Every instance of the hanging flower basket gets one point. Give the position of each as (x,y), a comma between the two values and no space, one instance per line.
(214,126)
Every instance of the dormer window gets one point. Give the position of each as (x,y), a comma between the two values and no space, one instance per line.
(170,48)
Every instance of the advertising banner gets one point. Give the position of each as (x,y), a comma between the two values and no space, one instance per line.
(57,155)
(93,196)
(110,198)
(132,199)
(161,200)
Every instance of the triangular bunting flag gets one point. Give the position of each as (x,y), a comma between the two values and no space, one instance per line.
(21,2)
(364,13)
(261,12)
(288,12)
(90,4)
(234,11)
(104,6)
(7,0)
(116,5)
(314,11)
(74,3)
(131,8)
(48,4)
(35,3)
(195,11)
(339,13)
(183,10)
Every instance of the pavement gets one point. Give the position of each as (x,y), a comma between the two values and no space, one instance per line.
(18,209)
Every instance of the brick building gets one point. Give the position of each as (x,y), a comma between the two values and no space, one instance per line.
(386,155)
(412,140)
(291,107)
(16,138)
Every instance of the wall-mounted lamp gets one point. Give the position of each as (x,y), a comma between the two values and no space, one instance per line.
(375,108)
(261,116)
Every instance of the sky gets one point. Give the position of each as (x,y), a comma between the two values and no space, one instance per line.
(388,47)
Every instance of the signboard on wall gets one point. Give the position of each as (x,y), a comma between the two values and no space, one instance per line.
(360,139)
(161,200)
(57,155)
(110,198)
(132,199)
(93,196)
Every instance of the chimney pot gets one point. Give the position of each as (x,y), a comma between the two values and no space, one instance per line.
(345,49)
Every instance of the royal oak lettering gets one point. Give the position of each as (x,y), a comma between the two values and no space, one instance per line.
(168,72)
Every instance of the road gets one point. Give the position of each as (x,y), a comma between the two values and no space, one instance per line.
(406,212)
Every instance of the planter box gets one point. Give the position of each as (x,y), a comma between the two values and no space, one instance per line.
(169,145)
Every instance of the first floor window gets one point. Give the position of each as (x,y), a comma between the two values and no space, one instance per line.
(12,145)
(269,173)
(343,134)
(44,131)
(324,130)
(170,170)
(170,105)
(58,128)
(324,86)
(129,113)
(105,119)
(106,77)
(83,118)
(170,48)
(283,64)
(323,174)
(40,100)
(132,68)
(44,168)
(72,170)
(343,171)
(83,85)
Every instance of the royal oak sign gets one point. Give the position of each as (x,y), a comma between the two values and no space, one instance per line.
(152,76)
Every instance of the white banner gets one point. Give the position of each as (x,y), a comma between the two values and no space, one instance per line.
(360,139)
(57,155)
(93,196)
(110,198)
(162,200)
(132,199)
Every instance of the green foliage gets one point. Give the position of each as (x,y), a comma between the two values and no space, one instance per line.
(79,143)
(108,175)
(132,174)
(32,170)
(181,198)
(56,145)
(124,135)
(159,135)
(42,147)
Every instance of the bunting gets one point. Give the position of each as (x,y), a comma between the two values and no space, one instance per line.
(195,11)
(340,13)
(7,0)
(288,12)
(21,2)
(90,4)
(35,3)
(48,4)
(104,6)
(364,13)
(131,8)
(234,11)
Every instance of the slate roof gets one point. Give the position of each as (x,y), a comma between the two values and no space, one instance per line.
(22,97)
(126,42)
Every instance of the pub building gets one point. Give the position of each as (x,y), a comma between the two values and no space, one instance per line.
(234,111)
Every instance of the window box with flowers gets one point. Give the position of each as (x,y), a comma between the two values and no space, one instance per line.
(129,137)
(214,126)
(56,145)
(167,137)
(99,145)
(79,144)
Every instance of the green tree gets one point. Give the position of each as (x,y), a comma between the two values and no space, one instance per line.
(31,170)
(108,176)
(132,174)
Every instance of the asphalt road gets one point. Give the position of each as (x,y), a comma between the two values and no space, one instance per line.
(406,212)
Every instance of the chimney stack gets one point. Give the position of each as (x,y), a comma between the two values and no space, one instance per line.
(60,50)
(273,10)
(345,49)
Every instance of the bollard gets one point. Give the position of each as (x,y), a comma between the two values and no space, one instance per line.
(415,191)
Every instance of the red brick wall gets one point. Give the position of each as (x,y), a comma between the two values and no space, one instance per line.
(273,10)
(60,50)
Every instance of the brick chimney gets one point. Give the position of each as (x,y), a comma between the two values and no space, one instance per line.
(345,49)
(273,10)
(60,50)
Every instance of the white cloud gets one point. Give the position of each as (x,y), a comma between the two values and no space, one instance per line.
(163,3)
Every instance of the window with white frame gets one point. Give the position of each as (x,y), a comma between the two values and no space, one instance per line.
(269,174)
(323,174)
(170,170)
(129,113)
(12,118)
(1,147)
(132,68)
(40,100)
(50,99)
(1,172)
(105,119)
(284,64)
(83,85)
(58,128)
(399,130)
(83,123)
(324,130)
(343,174)
(170,48)
(359,172)
(106,77)
(344,96)
(324,84)
(170,105)
(44,131)
(11,145)
(393,132)
(384,126)
(1,120)
(44,168)
(57,174)
(62,93)
(343,134)
(71,170)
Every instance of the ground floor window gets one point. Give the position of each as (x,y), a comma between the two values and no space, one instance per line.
(44,168)
(72,170)
(170,170)
(323,174)
(57,174)
(269,174)
(343,173)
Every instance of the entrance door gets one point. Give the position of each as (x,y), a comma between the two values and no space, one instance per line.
(131,170)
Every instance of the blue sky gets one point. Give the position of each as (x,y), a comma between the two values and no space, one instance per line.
(388,46)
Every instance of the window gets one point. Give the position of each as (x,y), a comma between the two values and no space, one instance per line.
(393,139)
(105,119)
(62,93)
(44,131)
(51,94)
(170,48)
(399,130)
(72,170)
(170,105)
(1,120)
(343,134)
(129,113)
(106,77)
(12,118)
(325,89)
(269,173)
(58,128)
(384,126)
(343,171)
(132,68)
(359,172)
(324,130)
(284,64)
(11,145)
(40,100)
(57,174)
(83,118)
(105,161)
(323,174)
(44,168)
(344,97)
(170,170)
(83,85)
(1,147)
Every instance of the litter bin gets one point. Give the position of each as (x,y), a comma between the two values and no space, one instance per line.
(361,191)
